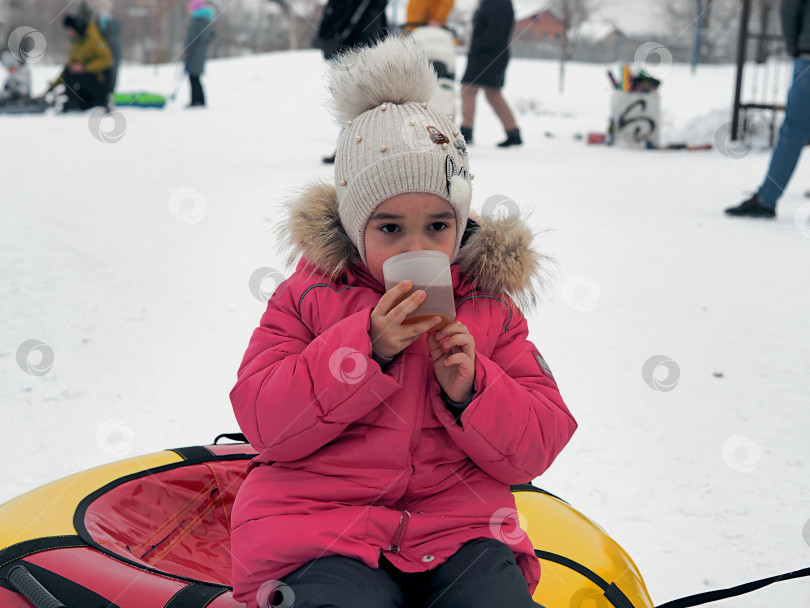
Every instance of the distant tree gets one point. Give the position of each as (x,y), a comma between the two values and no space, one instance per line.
(154,30)
(42,15)
(299,16)
(715,21)
(571,13)
(767,12)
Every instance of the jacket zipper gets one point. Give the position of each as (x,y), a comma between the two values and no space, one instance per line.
(404,518)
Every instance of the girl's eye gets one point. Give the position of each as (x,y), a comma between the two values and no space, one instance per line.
(385,228)
(441,226)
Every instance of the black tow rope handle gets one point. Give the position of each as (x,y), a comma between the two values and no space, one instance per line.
(31,589)
(721,594)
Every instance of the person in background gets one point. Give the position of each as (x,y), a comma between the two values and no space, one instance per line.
(349,24)
(200,34)
(84,73)
(110,28)
(428,12)
(17,87)
(795,130)
(486,68)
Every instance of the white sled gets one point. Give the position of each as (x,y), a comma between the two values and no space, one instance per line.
(440,46)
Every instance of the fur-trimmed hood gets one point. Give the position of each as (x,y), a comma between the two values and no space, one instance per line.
(496,255)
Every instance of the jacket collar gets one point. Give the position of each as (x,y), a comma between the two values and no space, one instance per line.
(496,255)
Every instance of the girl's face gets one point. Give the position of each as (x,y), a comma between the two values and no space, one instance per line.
(408,222)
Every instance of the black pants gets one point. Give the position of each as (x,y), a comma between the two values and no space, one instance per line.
(482,574)
(197,95)
(84,91)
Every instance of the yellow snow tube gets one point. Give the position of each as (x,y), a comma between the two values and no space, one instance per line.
(581,565)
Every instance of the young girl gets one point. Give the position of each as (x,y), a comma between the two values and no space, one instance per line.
(387,449)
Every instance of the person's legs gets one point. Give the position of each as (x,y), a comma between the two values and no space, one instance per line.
(197,95)
(114,76)
(506,117)
(482,574)
(468,93)
(84,91)
(793,135)
(201,91)
(501,108)
(341,582)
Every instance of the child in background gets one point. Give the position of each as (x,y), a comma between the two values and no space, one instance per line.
(17,87)
(386,450)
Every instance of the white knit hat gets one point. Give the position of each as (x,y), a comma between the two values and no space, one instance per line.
(393,142)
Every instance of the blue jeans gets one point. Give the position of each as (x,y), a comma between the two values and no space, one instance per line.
(793,135)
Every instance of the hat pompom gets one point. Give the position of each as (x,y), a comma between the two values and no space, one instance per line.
(460,192)
(395,70)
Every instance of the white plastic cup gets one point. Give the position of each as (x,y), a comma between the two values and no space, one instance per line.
(428,270)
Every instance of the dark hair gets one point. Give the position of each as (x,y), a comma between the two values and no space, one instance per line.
(75,23)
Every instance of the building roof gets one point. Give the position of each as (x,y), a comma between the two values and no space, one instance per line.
(595,31)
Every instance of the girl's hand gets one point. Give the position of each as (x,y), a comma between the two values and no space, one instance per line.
(452,350)
(388,335)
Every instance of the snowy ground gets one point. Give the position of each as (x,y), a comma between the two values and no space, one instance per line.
(131,261)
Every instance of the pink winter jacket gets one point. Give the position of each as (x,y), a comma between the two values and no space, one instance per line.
(357,460)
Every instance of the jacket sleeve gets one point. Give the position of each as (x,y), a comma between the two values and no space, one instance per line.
(296,392)
(57,81)
(791,14)
(516,423)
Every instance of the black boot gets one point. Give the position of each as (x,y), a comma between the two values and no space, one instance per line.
(512,139)
(752,207)
(466,132)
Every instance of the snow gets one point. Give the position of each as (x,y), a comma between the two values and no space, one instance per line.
(132,262)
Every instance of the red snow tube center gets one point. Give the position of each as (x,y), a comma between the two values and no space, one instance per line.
(177,521)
